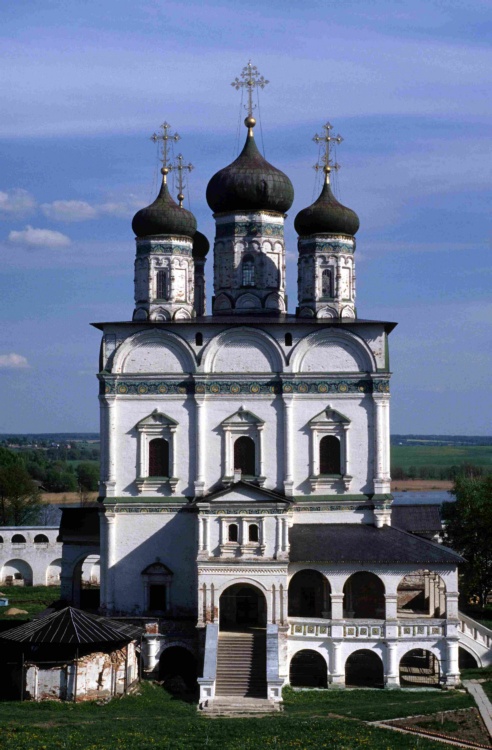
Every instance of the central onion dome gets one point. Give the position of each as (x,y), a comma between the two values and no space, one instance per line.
(201,246)
(250,183)
(326,216)
(164,216)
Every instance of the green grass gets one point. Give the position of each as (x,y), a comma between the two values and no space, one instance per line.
(441,456)
(33,599)
(373,705)
(154,720)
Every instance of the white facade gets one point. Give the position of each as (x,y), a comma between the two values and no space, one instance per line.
(30,556)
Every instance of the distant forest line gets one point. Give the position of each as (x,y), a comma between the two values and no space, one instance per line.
(69,462)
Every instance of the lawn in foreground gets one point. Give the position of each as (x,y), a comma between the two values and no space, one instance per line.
(33,599)
(153,719)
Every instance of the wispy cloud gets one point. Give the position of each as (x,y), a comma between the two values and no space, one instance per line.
(16,202)
(39,238)
(13,361)
(73,210)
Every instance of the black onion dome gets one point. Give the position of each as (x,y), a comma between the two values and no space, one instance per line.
(250,183)
(326,216)
(164,216)
(201,246)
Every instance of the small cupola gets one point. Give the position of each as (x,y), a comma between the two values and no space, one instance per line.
(164,216)
(326,216)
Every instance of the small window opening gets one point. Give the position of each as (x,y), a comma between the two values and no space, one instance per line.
(244,455)
(161,291)
(158,458)
(326,287)
(253,532)
(233,532)
(41,539)
(248,271)
(18,539)
(329,455)
(198,339)
(157,597)
(288,339)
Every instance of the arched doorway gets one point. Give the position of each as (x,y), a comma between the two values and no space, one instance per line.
(86,583)
(364,668)
(178,670)
(309,595)
(364,596)
(242,606)
(419,667)
(53,573)
(308,669)
(16,573)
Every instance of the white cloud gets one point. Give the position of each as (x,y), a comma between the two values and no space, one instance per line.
(13,361)
(39,238)
(69,210)
(16,202)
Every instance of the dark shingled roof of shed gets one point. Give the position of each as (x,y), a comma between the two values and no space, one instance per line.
(363,543)
(415,518)
(72,626)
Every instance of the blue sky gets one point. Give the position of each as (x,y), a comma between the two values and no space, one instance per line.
(407,84)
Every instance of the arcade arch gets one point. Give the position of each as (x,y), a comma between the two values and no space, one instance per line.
(308,669)
(86,582)
(364,668)
(364,596)
(419,667)
(422,593)
(16,572)
(242,606)
(309,594)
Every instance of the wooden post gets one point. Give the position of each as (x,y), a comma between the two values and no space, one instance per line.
(75,676)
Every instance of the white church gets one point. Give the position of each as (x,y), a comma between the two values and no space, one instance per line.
(245,505)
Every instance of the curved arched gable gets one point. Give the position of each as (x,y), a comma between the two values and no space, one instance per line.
(154,351)
(243,350)
(332,350)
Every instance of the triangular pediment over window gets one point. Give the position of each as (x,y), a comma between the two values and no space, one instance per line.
(156,568)
(157,418)
(328,416)
(244,492)
(244,417)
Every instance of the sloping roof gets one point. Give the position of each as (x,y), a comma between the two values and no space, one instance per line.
(415,518)
(247,490)
(72,626)
(363,543)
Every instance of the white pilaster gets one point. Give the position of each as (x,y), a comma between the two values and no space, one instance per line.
(200,446)
(288,444)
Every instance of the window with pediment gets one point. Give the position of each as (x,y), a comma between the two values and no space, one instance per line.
(242,447)
(156,452)
(157,579)
(330,453)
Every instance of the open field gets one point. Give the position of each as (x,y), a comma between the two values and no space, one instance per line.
(153,719)
(441,456)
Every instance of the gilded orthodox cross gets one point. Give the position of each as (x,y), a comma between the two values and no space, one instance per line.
(327,139)
(251,80)
(179,167)
(165,136)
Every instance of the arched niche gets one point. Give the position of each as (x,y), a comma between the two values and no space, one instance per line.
(154,352)
(363,596)
(41,539)
(309,594)
(308,669)
(178,670)
(364,668)
(243,350)
(16,573)
(332,351)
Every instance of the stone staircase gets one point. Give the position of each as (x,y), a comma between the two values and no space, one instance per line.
(241,664)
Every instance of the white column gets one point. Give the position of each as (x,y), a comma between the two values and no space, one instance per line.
(336,606)
(200,534)
(381,446)
(387,448)
(336,668)
(452,605)
(229,468)
(108,550)
(452,676)
(392,676)
(391,606)
(261,448)
(288,445)
(200,446)
(108,445)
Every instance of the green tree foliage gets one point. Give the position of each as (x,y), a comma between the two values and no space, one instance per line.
(19,496)
(469,531)
(88,476)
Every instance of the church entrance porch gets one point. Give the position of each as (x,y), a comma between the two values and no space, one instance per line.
(241,651)
(242,607)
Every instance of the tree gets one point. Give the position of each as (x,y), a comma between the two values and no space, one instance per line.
(88,476)
(469,531)
(20,501)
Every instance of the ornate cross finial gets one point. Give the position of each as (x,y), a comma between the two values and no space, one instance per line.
(180,167)
(251,80)
(165,136)
(327,165)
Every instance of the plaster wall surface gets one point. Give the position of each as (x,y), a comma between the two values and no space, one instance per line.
(39,563)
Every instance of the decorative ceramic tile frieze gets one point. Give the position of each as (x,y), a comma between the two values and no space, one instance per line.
(163,248)
(363,631)
(249,229)
(316,630)
(273,387)
(409,631)
(325,247)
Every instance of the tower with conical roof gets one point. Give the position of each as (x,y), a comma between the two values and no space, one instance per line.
(249,199)
(164,268)
(326,266)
